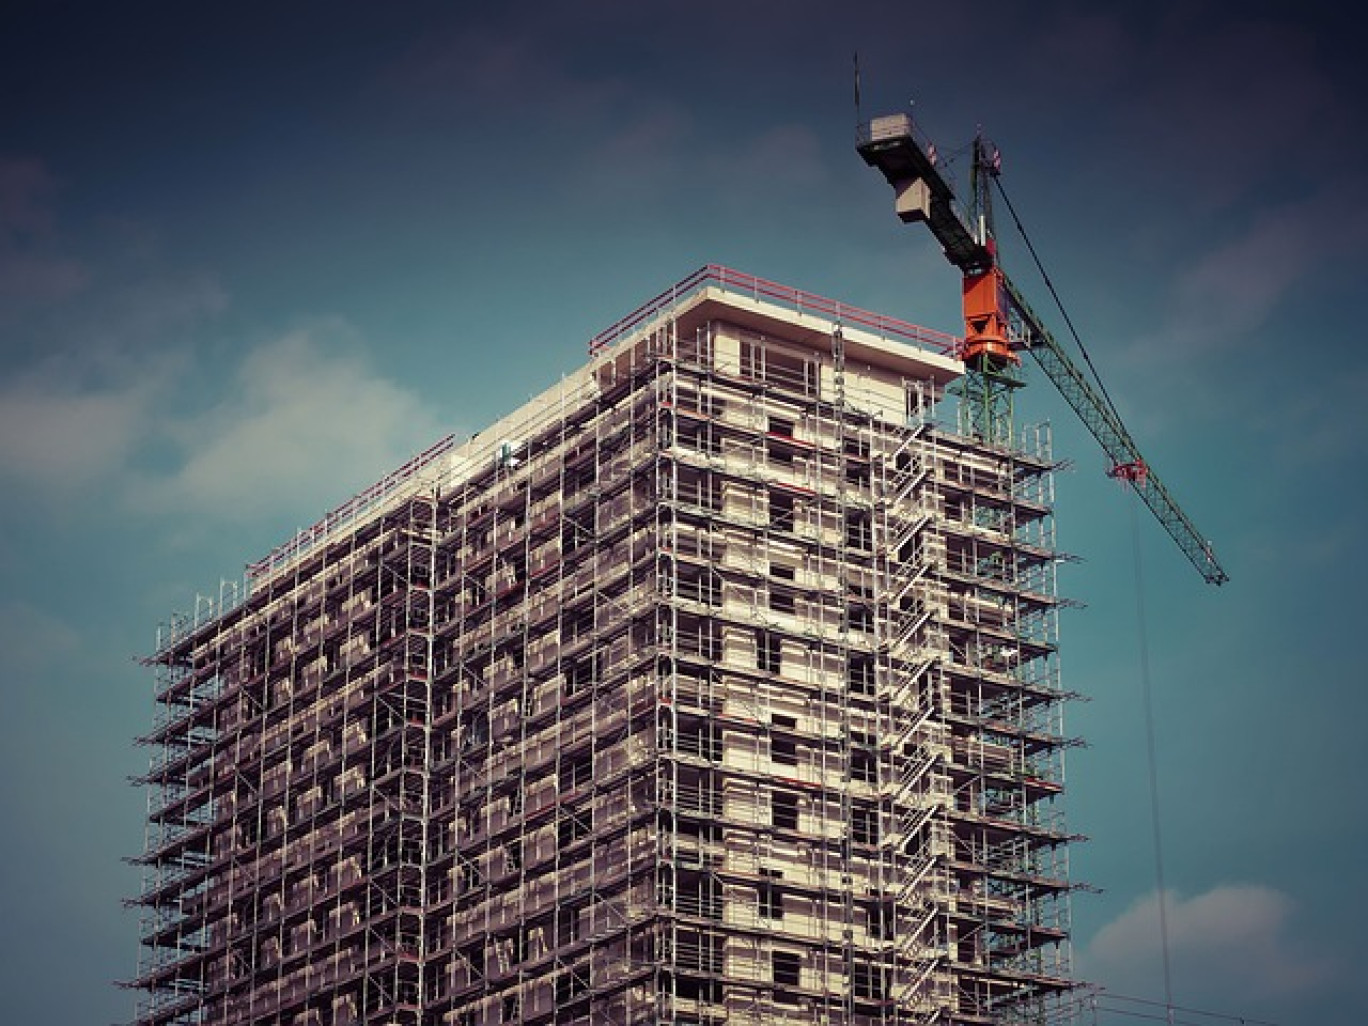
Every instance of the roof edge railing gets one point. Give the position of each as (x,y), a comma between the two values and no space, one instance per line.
(796,300)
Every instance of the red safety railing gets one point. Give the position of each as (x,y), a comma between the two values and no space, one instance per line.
(715,275)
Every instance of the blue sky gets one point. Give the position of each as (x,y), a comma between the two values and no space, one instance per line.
(253,257)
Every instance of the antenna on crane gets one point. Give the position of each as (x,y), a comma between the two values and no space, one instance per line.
(858,119)
(983,171)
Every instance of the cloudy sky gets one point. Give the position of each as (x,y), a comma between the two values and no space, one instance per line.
(254,255)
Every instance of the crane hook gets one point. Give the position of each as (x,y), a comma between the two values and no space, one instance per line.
(1137,472)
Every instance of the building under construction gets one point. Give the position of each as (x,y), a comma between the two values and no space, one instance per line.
(715,685)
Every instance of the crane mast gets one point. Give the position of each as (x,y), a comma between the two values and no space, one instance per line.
(999,324)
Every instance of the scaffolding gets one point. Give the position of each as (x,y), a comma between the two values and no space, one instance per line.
(716,685)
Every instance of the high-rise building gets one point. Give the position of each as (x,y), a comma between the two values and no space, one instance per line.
(715,685)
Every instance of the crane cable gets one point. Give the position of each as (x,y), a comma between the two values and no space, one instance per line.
(1142,632)
(1142,629)
(1152,761)
(1040,267)
(1120,1004)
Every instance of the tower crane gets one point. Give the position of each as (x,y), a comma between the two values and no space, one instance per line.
(999,324)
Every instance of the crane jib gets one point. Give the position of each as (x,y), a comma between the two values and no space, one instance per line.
(922,193)
(998,320)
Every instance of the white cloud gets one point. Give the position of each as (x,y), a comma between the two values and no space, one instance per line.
(25,192)
(30,642)
(783,155)
(642,153)
(630,141)
(104,416)
(155,306)
(1231,290)
(60,437)
(297,419)
(528,72)
(1222,298)
(31,267)
(33,277)
(1229,947)
(304,415)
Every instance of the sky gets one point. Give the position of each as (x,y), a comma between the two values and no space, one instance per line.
(253,256)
